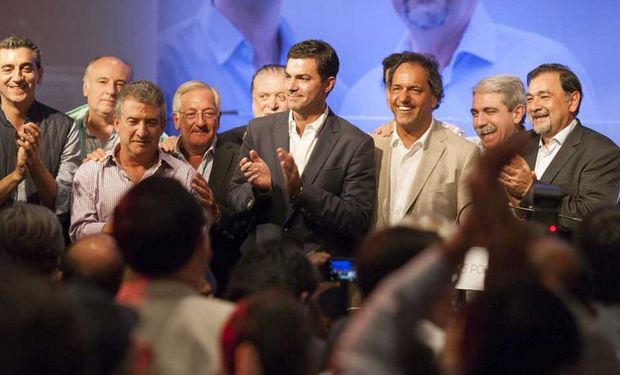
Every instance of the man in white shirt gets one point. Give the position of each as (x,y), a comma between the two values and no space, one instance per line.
(307,174)
(583,163)
(423,166)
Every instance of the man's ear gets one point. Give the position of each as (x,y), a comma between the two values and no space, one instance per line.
(85,88)
(176,119)
(574,98)
(247,360)
(517,113)
(330,83)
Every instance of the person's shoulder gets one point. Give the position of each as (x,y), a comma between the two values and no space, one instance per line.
(594,138)
(459,142)
(234,135)
(347,128)
(78,113)
(48,113)
(268,121)
(200,307)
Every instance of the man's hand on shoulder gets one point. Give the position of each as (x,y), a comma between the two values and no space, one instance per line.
(169,144)
(384,130)
(97,155)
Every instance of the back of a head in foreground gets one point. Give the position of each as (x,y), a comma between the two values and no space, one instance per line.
(157,226)
(598,240)
(31,235)
(277,265)
(41,330)
(270,328)
(385,251)
(518,328)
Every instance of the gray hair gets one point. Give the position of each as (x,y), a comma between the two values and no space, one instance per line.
(145,92)
(510,86)
(31,235)
(191,86)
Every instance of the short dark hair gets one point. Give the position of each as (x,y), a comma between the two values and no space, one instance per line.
(157,226)
(388,63)
(145,92)
(598,240)
(31,235)
(16,41)
(276,265)
(385,251)
(326,58)
(429,63)
(272,68)
(568,79)
(268,320)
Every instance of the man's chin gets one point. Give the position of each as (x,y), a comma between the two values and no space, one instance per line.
(541,129)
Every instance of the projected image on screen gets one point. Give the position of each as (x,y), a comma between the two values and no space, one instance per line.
(224,41)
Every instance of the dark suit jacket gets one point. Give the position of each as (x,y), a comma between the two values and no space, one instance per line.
(333,211)
(586,168)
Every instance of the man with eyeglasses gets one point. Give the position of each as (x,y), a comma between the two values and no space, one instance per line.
(139,120)
(196,115)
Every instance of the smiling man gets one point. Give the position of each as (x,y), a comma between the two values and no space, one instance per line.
(563,152)
(104,78)
(139,120)
(423,167)
(39,147)
(307,173)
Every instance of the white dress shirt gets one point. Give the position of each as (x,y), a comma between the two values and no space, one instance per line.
(404,165)
(301,146)
(546,153)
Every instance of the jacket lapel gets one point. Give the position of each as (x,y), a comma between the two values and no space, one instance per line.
(530,152)
(383,157)
(565,153)
(433,150)
(222,160)
(327,138)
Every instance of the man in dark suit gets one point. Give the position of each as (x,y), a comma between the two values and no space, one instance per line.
(307,173)
(196,115)
(584,164)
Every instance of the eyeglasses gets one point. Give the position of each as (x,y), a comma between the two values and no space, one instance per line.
(206,114)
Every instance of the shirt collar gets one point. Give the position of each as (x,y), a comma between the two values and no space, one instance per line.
(561,136)
(179,154)
(229,38)
(163,159)
(479,40)
(314,125)
(421,142)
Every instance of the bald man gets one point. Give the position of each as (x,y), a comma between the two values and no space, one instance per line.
(104,78)
(95,258)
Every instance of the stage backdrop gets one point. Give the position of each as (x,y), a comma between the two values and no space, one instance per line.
(503,37)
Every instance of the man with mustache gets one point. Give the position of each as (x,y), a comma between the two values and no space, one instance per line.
(583,163)
(39,146)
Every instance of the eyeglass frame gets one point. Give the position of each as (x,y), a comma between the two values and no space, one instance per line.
(192,116)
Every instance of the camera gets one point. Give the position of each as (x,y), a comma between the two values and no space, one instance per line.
(342,269)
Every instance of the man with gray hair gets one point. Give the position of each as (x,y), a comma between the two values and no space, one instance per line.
(139,119)
(498,108)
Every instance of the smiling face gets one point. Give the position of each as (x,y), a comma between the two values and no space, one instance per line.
(305,90)
(423,14)
(103,80)
(19,75)
(139,126)
(410,97)
(197,119)
(549,107)
(492,120)
(269,93)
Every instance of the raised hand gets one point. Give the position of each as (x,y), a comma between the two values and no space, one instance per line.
(256,171)
(290,172)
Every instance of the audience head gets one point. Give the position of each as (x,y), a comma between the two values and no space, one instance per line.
(153,204)
(385,251)
(598,240)
(31,235)
(95,258)
(503,335)
(269,333)
(268,89)
(277,265)
(42,330)
(104,78)
(498,108)
(553,98)
(21,65)
(435,14)
(140,118)
(196,114)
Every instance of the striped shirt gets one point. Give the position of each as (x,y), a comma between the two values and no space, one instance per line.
(99,186)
